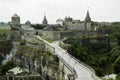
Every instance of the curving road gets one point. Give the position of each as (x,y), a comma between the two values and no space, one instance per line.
(82,72)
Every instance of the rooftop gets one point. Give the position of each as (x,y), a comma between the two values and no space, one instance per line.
(18,70)
(15,15)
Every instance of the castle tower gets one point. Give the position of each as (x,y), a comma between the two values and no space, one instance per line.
(15,20)
(45,22)
(87,18)
(15,27)
(88,22)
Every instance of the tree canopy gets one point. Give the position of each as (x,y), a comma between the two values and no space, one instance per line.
(38,26)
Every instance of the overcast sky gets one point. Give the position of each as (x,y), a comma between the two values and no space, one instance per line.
(33,10)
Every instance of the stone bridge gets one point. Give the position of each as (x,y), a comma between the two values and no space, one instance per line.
(70,67)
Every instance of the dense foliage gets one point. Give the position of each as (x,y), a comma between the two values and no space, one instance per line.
(105,59)
(4,32)
(38,26)
(5,47)
(112,29)
(5,67)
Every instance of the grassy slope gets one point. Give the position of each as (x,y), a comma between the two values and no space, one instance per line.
(4,30)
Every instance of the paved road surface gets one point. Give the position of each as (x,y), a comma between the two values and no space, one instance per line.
(82,72)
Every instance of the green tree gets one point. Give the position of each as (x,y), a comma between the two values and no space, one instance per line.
(22,42)
(93,54)
(116,66)
(38,26)
(115,53)
(5,48)
(79,52)
(116,35)
(9,65)
(118,77)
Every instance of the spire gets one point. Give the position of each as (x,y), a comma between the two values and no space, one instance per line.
(87,18)
(45,17)
(44,22)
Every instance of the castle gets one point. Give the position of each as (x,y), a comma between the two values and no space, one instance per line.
(63,28)
(76,25)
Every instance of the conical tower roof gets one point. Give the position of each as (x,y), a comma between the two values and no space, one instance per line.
(87,18)
(15,15)
(45,19)
(44,22)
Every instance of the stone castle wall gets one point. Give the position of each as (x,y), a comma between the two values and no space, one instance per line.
(54,35)
(79,26)
(57,35)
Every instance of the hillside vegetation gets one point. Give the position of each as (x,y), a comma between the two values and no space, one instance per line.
(103,57)
(4,32)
